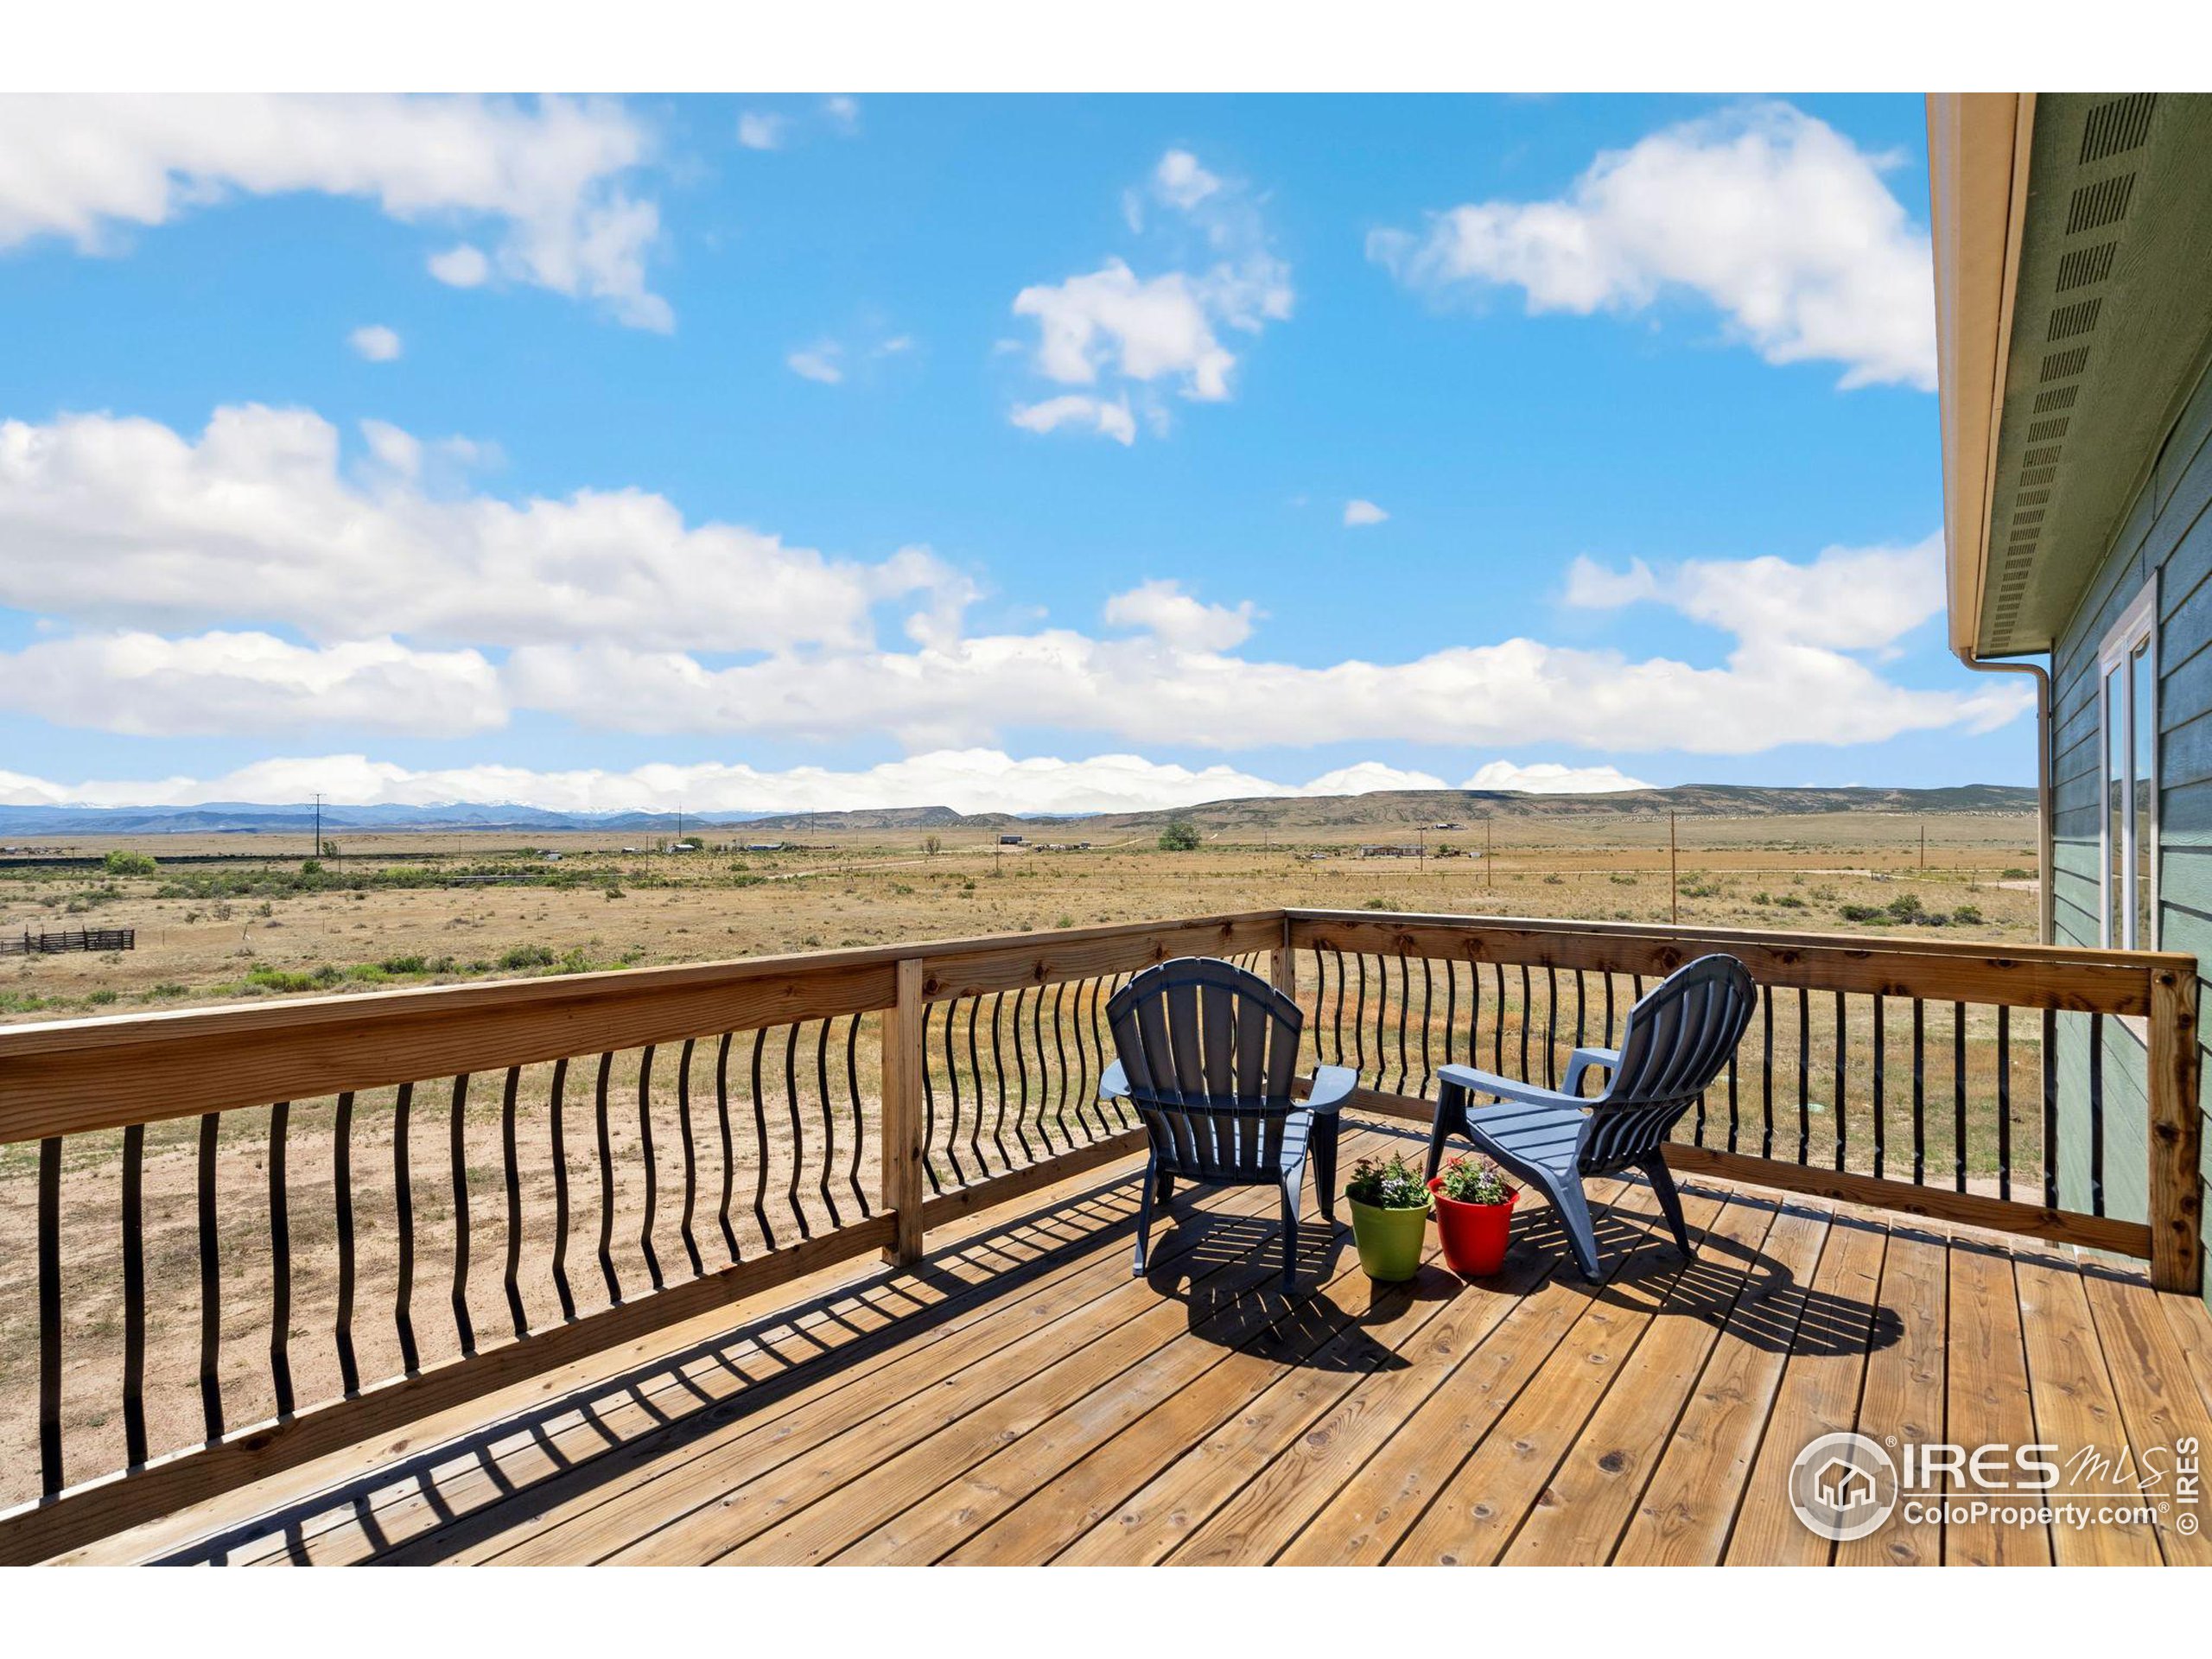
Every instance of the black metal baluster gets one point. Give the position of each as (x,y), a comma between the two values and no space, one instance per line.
(211,1278)
(510,1277)
(828,1124)
(1881,1103)
(606,1178)
(998,1076)
(1919,1092)
(761,1145)
(2004,1100)
(1804,1075)
(2096,1114)
(1429,1025)
(1319,976)
(342,1192)
(1497,1030)
(729,1145)
(952,1087)
(49,1317)
(403,1199)
(651,1164)
(1060,1055)
(1021,1073)
(1610,1042)
(1528,1005)
(852,1095)
(1958,1095)
(791,1112)
(1766,1067)
(1359,1019)
(1732,1118)
(554,1110)
(1451,1008)
(691,1160)
(1841,1076)
(280,1261)
(459,1152)
(1085,1100)
(1551,1027)
(134,1294)
(1405,1007)
(975,1076)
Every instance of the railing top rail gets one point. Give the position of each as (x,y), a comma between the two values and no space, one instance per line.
(67,1077)
(2039,977)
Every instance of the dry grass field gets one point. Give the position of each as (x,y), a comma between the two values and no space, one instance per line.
(398,911)
(394,910)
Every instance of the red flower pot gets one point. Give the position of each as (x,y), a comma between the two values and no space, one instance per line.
(1474,1234)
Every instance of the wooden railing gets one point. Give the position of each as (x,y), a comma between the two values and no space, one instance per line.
(269,1231)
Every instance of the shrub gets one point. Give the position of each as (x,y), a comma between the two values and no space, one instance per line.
(412,964)
(1180,835)
(1864,913)
(523,956)
(119,863)
(1905,907)
(310,867)
(1393,1186)
(1967,916)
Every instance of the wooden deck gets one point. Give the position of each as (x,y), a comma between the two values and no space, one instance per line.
(1018,1397)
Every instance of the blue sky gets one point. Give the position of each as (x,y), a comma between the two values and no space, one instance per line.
(797,451)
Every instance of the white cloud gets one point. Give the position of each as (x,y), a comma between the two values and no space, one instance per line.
(1549,778)
(816,363)
(461,266)
(843,112)
(1358,511)
(227,684)
(1773,218)
(967,780)
(758,129)
(374,342)
(1847,599)
(1144,330)
(549,176)
(1111,420)
(118,522)
(1172,616)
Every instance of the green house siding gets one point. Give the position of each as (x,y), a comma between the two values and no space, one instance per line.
(2167,535)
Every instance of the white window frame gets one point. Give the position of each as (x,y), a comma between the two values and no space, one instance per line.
(2138,625)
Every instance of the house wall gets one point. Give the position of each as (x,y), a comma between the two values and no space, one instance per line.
(2167,534)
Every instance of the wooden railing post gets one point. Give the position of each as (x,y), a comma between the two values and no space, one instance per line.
(2177,1179)
(1282,964)
(901,1187)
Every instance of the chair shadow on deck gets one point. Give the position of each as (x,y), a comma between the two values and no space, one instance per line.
(1761,1300)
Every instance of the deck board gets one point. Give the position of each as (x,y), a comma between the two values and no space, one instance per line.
(1021,1397)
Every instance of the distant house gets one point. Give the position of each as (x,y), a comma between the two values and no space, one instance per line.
(1390,850)
(1009,841)
(551,858)
(2074,322)
(764,846)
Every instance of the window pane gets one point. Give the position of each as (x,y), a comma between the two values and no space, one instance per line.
(2115,824)
(2143,708)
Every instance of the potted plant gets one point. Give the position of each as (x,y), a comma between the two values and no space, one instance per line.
(1474,1214)
(1390,1216)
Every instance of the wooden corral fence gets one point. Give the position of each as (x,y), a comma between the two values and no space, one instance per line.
(28,944)
(834,1105)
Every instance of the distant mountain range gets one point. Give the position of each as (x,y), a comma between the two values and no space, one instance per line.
(1401,807)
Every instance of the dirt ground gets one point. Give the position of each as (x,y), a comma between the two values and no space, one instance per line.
(393,911)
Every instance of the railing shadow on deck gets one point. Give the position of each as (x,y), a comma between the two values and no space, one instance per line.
(1067,1228)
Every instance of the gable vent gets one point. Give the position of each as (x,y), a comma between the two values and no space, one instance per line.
(2041,457)
(2034,498)
(2032,517)
(2076,319)
(2122,124)
(2045,431)
(2085,265)
(2056,397)
(2038,474)
(2061,365)
(2095,205)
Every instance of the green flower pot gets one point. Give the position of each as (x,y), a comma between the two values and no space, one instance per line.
(1390,1241)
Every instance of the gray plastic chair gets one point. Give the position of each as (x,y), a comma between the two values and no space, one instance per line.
(1207,1056)
(1678,1037)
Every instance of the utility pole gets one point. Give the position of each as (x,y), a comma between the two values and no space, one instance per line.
(1490,862)
(1673,875)
(317,852)
(1923,847)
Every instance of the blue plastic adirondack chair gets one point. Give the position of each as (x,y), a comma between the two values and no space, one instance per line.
(1208,1051)
(1678,1037)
